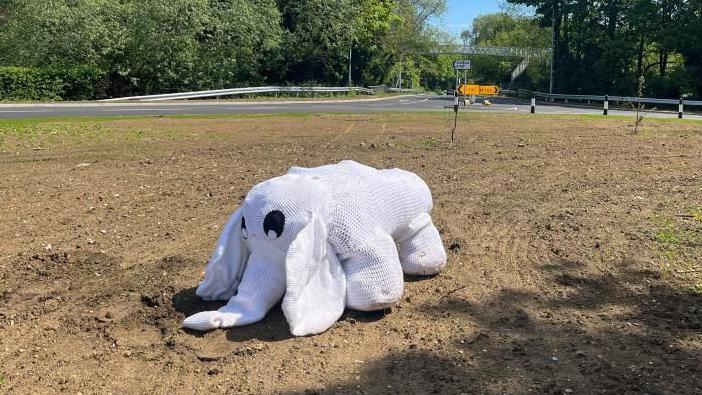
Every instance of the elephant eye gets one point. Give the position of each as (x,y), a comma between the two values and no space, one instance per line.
(273,224)
(244,232)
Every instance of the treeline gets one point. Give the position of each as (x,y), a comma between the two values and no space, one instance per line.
(158,46)
(611,46)
(82,49)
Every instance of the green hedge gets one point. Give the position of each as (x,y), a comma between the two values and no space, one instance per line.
(29,83)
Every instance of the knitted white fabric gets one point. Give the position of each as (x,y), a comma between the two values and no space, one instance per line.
(325,238)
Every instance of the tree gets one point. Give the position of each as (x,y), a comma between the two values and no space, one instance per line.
(410,39)
(318,34)
(612,43)
(67,33)
(157,46)
(197,44)
(146,46)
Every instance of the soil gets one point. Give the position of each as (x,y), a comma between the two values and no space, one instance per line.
(574,257)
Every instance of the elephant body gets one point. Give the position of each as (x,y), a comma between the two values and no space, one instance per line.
(323,239)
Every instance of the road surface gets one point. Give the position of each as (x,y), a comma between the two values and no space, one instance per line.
(394,104)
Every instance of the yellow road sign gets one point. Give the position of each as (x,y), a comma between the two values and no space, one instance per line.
(489,90)
(478,89)
(469,89)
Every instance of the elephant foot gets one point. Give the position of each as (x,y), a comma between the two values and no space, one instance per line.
(374,280)
(423,252)
(368,303)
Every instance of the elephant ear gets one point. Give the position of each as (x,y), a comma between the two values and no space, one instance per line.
(223,272)
(315,282)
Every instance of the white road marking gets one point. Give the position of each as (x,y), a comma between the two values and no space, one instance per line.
(13,111)
(142,109)
(261,107)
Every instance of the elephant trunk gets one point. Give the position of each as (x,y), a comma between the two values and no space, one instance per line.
(262,286)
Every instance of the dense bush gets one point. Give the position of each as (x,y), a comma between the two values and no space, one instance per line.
(82,82)
(26,83)
(164,46)
(33,83)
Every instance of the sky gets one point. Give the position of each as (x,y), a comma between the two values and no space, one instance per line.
(461,13)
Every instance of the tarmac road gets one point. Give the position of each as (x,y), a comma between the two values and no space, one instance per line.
(203,107)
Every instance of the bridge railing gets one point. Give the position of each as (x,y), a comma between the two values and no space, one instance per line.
(488,50)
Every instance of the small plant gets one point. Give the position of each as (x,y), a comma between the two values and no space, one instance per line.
(640,113)
(696,214)
(138,134)
(667,234)
(428,142)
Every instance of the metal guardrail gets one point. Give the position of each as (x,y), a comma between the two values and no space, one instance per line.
(681,103)
(625,99)
(402,90)
(243,91)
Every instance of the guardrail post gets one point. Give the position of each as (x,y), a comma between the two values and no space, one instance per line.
(533,104)
(680,108)
(606,105)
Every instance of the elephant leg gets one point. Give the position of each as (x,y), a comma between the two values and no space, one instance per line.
(374,279)
(422,252)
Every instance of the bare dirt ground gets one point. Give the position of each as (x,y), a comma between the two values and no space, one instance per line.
(574,257)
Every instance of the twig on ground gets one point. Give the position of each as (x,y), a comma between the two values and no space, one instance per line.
(698,270)
(452,291)
(455,123)
(669,156)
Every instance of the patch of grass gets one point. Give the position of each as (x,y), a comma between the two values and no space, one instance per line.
(428,142)
(30,122)
(696,214)
(424,115)
(48,132)
(35,121)
(676,246)
(137,134)
(232,116)
(668,239)
(625,117)
(667,234)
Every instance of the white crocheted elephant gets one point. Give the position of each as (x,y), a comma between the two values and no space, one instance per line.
(322,239)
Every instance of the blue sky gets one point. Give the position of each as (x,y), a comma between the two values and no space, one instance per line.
(461,13)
